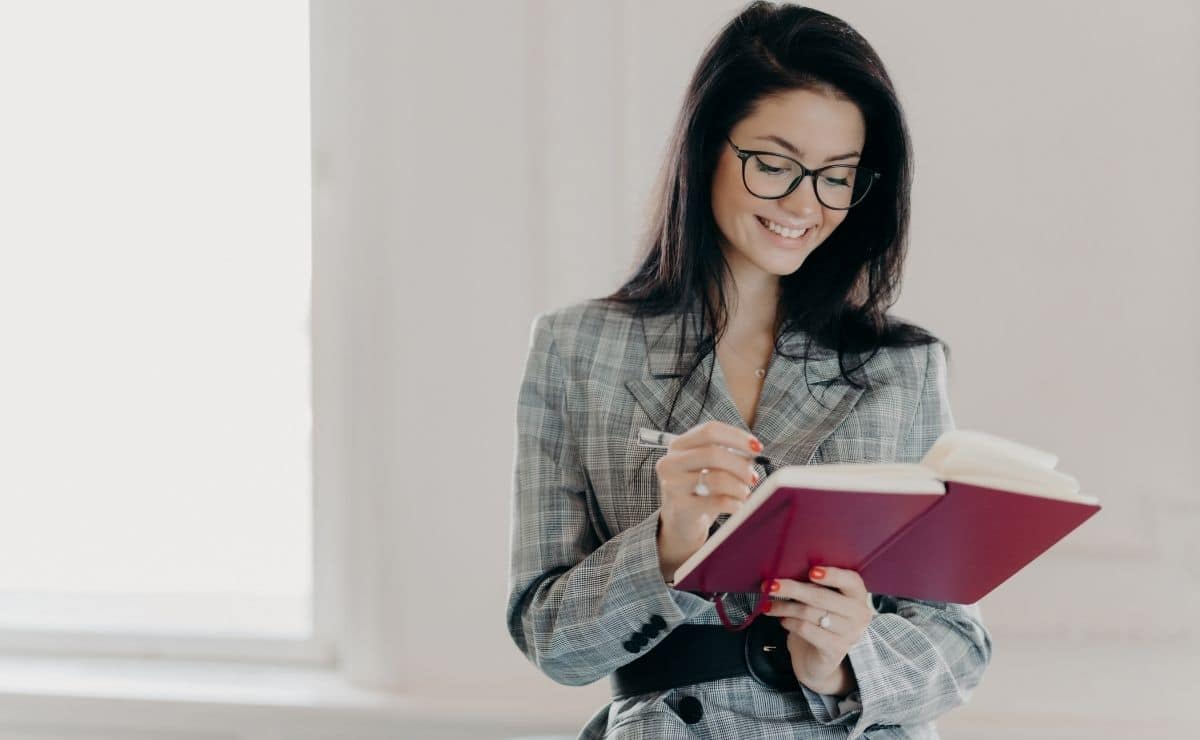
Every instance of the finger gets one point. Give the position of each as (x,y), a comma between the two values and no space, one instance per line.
(716,458)
(824,640)
(720,504)
(716,433)
(827,599)
(849,582)
(838,624)
(683,482)
(724,483)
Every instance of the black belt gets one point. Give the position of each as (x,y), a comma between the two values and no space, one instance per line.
(694,653)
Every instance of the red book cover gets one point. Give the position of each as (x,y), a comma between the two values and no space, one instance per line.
(954,547)
(971,541)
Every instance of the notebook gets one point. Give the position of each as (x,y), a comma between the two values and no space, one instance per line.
(976,510)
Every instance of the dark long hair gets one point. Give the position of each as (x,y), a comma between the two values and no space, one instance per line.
(840,295)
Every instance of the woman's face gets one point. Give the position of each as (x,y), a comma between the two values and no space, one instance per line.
(812,127)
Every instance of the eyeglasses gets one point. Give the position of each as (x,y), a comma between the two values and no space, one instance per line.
(772,176)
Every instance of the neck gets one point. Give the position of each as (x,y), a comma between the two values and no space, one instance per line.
(753,303)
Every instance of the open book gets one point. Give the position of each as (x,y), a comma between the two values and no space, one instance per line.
(974,511)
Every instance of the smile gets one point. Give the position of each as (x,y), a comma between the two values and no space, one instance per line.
(783,231)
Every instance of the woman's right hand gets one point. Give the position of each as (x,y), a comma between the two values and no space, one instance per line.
(685,518)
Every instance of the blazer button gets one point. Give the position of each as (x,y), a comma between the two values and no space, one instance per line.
(631,646)
(690,710)
(650,631)
(659,622)
(639,640)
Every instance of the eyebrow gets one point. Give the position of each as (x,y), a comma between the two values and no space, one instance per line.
(788,145)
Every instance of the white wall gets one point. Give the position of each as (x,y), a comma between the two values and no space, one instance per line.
(1038,251)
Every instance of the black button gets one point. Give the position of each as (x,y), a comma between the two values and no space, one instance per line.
(632,646)
(639,640)
(659,622)
(650,631)
(767,656)
(690,710)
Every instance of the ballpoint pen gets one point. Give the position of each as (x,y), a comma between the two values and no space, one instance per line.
(655,438)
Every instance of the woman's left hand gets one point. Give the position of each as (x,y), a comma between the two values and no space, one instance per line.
(819,653)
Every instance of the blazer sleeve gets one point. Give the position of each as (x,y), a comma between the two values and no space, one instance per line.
(917,659)
(578,608)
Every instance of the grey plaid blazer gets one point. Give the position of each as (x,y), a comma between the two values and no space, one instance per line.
(584,573)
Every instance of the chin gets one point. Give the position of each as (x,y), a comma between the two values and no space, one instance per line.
(793,266)
(780,264)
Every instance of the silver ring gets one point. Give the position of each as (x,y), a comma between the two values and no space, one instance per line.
(701,488)
(824,622)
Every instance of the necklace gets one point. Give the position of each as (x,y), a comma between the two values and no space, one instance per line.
(759,372)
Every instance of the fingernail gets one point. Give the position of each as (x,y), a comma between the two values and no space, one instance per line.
(774,586)
(767,608)
(755,445)
(817,573)
(754,479)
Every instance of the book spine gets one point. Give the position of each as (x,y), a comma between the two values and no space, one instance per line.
(899,533)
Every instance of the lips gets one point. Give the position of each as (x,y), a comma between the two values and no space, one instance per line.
(806,228)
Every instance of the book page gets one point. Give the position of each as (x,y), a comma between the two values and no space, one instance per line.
(995,462)
(980,462)
(1032,489)
(875,477)
(1004,451)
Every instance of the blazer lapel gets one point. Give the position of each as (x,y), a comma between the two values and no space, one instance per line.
(792,419)
(801,403)
(656,389)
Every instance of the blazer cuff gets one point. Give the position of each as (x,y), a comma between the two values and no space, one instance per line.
(832,711)
(639,553)
(877,693)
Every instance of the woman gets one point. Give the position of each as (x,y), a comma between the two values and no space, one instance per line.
(757,321)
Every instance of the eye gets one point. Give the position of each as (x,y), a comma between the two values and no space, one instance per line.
(772,166)
(838,177)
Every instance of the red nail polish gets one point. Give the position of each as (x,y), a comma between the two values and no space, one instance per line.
(817,573)
(774,586)
(755,445)
(767,607)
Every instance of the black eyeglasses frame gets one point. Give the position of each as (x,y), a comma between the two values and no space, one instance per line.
(745,154)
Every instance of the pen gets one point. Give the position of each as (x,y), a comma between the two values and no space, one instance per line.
(655,438)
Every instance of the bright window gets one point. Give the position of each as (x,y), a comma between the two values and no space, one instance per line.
(155,250)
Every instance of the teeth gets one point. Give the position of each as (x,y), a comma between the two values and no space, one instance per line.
(784,232)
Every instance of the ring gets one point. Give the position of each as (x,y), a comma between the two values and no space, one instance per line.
(701,488)
(824,621)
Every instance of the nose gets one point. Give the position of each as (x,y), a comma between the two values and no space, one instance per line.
(803,199)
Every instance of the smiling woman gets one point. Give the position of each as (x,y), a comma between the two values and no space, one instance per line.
(775,249)
(769,222)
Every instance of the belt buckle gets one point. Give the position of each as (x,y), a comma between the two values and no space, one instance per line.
(767,657)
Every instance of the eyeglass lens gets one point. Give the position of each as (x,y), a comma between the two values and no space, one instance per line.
(840,186)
